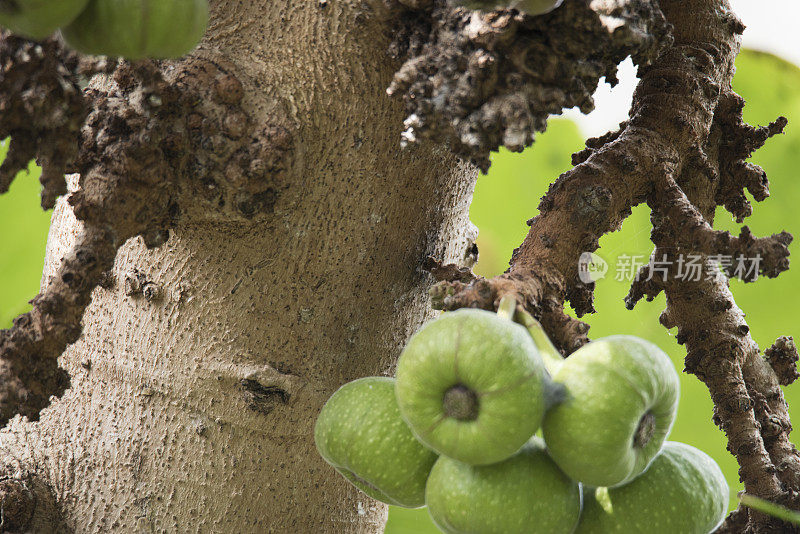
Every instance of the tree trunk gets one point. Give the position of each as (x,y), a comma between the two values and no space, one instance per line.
(193,402)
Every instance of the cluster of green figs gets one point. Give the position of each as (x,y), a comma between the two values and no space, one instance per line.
(132,29)
(490,428)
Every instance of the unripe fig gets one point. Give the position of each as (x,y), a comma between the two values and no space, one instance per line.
(38,19)
(524,494)
(621,400)
(683,491)
(136,29)
(361,434)
(470,385)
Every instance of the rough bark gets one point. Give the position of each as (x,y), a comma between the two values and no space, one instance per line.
(202,363)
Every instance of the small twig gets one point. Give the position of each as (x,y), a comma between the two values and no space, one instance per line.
(691,231)
(782,357)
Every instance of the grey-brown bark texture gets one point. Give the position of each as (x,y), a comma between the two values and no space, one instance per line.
(244,234)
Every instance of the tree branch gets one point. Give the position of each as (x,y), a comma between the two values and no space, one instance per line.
(41,110)
(692,232)
(671,114)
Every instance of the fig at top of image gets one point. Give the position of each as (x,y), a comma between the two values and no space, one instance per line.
(136,29)
(38,19)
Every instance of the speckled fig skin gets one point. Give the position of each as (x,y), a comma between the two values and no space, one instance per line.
(493,358)
(136,29)
(683,491)
(524,494)
(38,19)
(360,433)
(621,401)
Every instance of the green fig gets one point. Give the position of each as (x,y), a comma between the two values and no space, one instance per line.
(471,386)
(621,401)
(524,494)
(683,491)
(136,29)
(361,434)
(38,19)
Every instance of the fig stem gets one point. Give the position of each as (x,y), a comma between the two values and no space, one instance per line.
(507,307)
(461,403)
(645,430)
(770,508)
(550,355)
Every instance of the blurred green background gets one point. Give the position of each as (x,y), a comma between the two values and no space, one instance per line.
(505,198)
(22,243)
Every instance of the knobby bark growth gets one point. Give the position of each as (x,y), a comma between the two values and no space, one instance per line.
(217,150)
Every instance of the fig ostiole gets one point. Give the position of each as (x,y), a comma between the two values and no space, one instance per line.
(621,401)
(524,494)
(361,434)
(136,29)
(38,19)
(471,386)
(683,490)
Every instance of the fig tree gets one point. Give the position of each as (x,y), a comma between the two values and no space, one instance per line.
(525,494)
(531,7)
(683,491)
(38,19)
(136,29)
